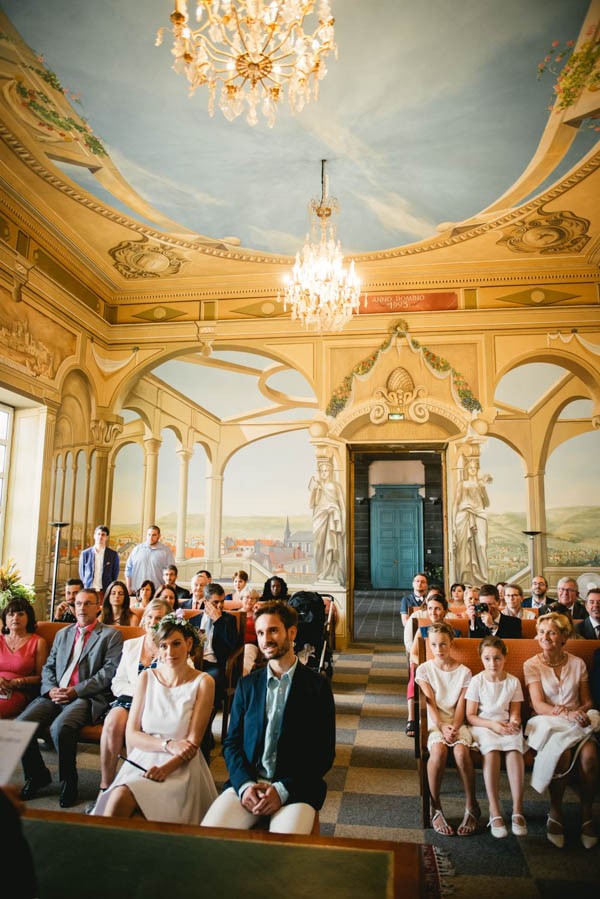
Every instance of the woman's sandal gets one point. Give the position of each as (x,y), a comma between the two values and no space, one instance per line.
(439,823)
(410,728)
(469,823)
(588,840)
(557,839)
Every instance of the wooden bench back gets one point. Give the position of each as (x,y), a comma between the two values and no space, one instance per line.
(466,651)
(49,629)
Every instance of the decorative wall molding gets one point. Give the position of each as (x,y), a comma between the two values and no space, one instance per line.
(146,259)
(547,233)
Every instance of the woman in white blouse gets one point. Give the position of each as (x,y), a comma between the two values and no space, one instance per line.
(559,686)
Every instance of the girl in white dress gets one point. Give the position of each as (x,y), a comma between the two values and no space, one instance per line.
(444,682)
(165,777)
(494,701)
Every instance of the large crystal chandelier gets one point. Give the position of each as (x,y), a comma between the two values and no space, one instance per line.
(321,293)
(255,49)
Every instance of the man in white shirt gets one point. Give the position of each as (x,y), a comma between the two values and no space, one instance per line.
(590,626)
(148,560)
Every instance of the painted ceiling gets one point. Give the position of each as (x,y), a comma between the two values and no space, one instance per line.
(430,113)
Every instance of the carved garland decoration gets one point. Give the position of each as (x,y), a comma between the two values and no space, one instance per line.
(437,364)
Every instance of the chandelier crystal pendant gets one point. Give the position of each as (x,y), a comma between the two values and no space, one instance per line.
(321,293)
(255,49)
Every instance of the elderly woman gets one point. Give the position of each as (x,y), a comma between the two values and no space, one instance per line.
(560,695)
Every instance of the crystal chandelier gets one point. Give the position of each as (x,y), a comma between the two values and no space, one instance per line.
(321,293)
(254,49)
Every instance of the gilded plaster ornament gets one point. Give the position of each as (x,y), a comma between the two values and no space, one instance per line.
(547,233)
(399,397)
(145,259)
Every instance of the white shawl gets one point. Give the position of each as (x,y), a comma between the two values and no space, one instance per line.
(550,735)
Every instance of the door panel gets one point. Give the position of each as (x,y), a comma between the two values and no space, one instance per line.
(396,535)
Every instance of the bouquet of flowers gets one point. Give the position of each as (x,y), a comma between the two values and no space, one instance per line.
(10,588)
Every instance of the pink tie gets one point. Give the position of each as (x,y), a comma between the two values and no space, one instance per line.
(77,648)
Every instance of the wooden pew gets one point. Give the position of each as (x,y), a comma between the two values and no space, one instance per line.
(179,861)
(466,651)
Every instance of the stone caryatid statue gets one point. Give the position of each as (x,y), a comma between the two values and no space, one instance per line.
(326,500)
(470,525)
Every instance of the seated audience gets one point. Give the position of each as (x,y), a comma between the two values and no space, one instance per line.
(513,603)
(23,654)
(500,588)
(559,693)
(221,636)
(457,594)
(281,738)
(115,606)
(416,599)
(437,611)
(169,594)
(233,600)
(539,593)
(139,654)
(65,610)
(170,573)
(275,588)
(201,579)
(251,651)
(444,681)
(494,702)
(491,622)
(165,777)
(590,627)
(471,594)
(143,595)
(75,690)
(567,592)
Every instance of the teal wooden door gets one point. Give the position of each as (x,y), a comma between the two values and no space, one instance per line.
(396,535)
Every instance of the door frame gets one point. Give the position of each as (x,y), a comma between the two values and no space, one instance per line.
(397,452)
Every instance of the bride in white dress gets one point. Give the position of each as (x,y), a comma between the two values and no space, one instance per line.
(170,780)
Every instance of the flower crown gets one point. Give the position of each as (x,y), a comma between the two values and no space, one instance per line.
(178,619)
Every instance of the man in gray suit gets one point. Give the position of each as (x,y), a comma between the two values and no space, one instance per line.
(590,626)
(75,691)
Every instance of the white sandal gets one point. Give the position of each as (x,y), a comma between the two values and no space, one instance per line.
(499,831)
(519,830)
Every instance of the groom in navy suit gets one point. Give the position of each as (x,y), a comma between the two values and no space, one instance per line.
(281,737)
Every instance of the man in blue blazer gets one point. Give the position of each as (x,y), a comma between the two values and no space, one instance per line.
(281,737)
(98,564)
(75,691)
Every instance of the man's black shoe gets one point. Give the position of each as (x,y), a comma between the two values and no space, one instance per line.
(68,793)
(33,784)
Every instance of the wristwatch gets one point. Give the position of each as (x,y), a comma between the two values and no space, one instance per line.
(165,744)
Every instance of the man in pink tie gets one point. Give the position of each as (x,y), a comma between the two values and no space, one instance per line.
(75,691)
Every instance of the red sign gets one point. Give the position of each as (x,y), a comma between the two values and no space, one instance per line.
(409,302)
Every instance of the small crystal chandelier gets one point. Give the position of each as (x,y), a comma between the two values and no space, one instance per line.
(322,294)
(255,49)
